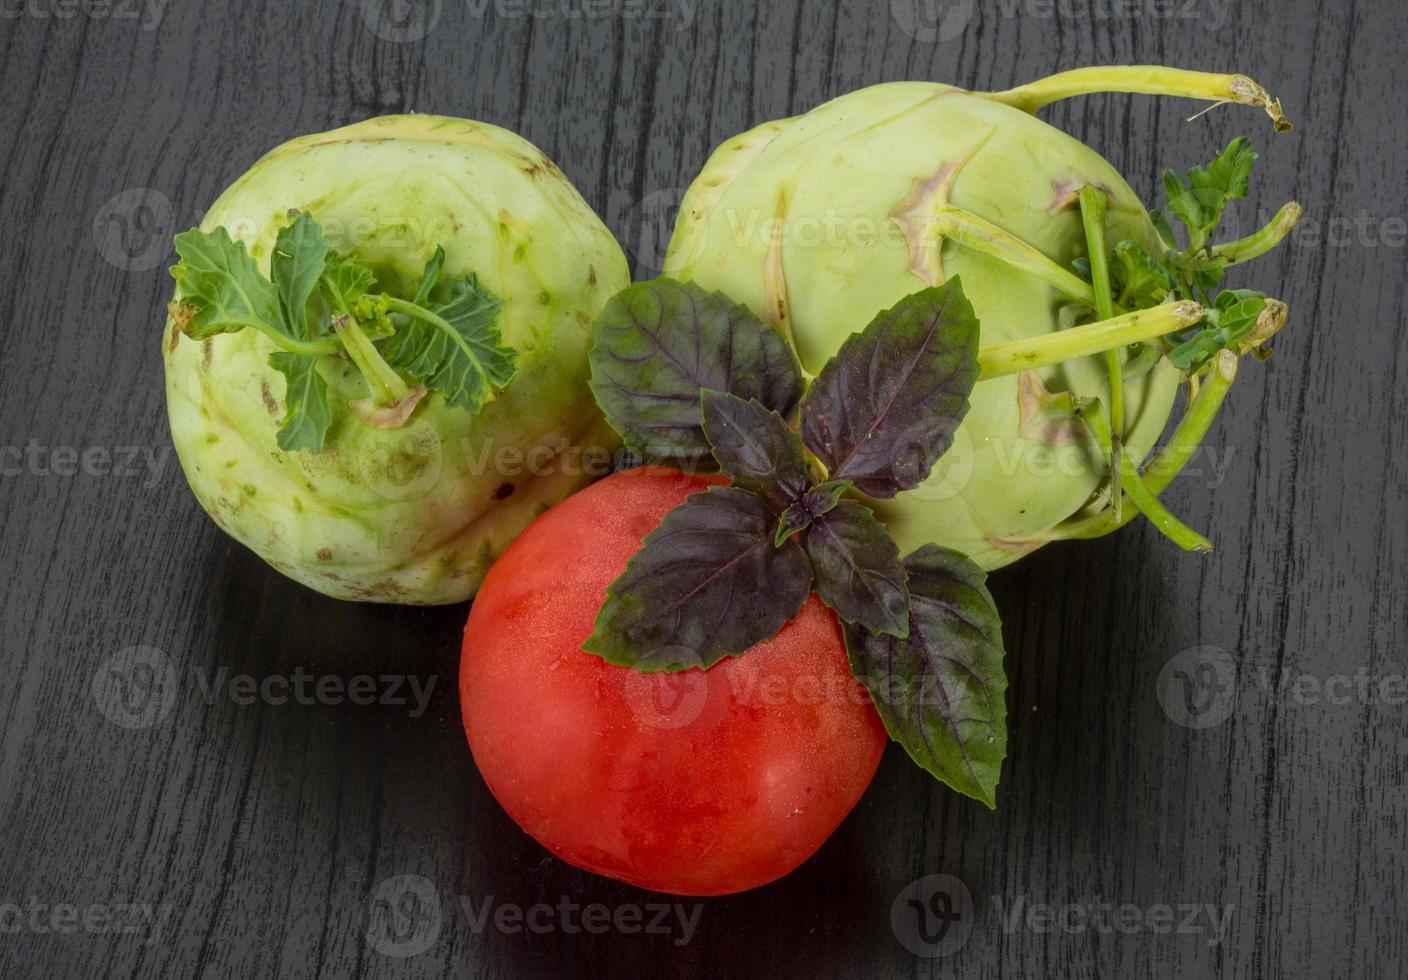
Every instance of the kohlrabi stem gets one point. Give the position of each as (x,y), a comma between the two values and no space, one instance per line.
(1016,356)
(1139,365)
(306,348)
(1140,496)
(388,387)
(1092,212)
(1194,425)
(1260,242)
(1144,79)
(984,236)
(1169,462)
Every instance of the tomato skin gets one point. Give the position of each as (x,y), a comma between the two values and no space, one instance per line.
(696,783)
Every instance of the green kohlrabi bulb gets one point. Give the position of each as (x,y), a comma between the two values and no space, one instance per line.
(417,511)
(819,222)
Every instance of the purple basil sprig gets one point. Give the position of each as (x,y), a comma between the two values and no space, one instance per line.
(688,376)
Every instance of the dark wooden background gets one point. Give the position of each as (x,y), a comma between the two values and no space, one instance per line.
(264,835)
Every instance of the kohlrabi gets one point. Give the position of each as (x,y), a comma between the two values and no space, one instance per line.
(376,359)
(1093,310)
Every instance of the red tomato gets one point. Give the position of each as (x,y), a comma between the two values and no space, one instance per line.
(697,782)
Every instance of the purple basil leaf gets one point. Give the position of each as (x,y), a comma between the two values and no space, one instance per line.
(858,569)
(708,583)
(660,343)
(818,500)
(885,408)
(793,520)
(756,448)
(941,691)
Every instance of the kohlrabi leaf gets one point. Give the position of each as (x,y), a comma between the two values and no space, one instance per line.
(297,263)
(658,344)
(1198,200)
(317,302)
(307,409)
(1165,230)
(220,288)
(345,281)
(452,346)
(820,499)
(709,582)
(885,408)
(1233,315)
(430,277)
(756,448)
(857,569)
(1140,280)
(941,691)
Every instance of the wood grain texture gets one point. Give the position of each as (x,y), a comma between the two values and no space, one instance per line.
(262,833)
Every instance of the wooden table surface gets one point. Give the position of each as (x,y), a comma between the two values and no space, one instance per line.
(1242,817)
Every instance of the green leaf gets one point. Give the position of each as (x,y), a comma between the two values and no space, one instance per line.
(858,570)
(447,339)
(707,583)
(344,289)
(941,691)
(430,278)
(222,287)
(222,290)
(755,448)
(453,346)
(307,408)
(658,344)
(1233,315)
(300,253)
(1199,200)
(1164,229)
(344,282)
(1140,280)
(820,499)
(885,408)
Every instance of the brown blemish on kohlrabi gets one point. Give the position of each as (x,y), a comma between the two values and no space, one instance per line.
(383,588)
(324,554)
(1038,419)
(1065,194)
(387,416)
(268,397)
(916,214)
(181,314)
(777,307)
(1015,546)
